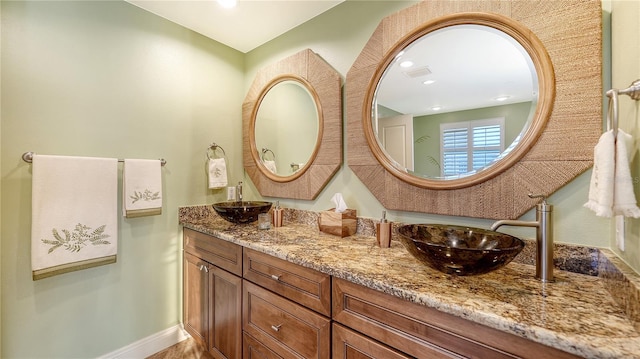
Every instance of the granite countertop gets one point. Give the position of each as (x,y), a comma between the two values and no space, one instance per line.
(577,313)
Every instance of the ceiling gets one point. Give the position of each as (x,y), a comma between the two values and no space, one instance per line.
(471,67)
(248,25)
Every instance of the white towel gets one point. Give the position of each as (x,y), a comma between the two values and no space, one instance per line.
(141,188)
(271,166)
(624,199)
(74,210)
(217,169)
(611,188)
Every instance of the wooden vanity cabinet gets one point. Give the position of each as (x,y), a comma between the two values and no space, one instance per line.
(212,293)
(286,309)
(423,332)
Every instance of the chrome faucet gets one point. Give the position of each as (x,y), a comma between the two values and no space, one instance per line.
(544,237)
(239,192)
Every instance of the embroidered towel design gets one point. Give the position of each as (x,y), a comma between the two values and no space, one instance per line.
(74,214)
(142,188)
(217,170)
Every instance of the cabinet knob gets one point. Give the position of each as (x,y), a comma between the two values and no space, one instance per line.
(275,277)
(276,327)
(204,267)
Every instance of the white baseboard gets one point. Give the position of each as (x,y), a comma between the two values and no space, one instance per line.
(150,345)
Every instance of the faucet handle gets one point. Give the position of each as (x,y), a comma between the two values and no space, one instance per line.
(544,198)
(543,206)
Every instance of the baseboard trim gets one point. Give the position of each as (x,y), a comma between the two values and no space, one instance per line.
(150,345)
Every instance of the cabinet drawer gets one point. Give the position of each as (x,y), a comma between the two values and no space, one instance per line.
(425,332)
(253,349)
(348,344)
(218,252)
(284,326)
(302,285)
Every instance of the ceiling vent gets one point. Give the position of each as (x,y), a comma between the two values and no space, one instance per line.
(417,72)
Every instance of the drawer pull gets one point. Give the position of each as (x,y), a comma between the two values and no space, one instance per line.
(276,327)
(275,277)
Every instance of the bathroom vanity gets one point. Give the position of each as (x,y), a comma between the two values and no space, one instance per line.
(303,293)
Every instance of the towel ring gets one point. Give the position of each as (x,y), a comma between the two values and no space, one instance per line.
(212,149)
(264,154)
(632,91)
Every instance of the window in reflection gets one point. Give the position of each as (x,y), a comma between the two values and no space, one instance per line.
(471,145)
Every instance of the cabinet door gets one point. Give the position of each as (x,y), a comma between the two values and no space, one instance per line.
(225,314)
(348,344)
(195,304)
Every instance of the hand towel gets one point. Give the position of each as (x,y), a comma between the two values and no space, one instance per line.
(624,199)
(141,188)
(73,214)
(611,188)
(601,185)
(217,169)
(271,166)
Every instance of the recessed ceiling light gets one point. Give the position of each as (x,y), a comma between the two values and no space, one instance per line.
(502,98)
(428,82)
(228,4)
(406,63)
(436,108)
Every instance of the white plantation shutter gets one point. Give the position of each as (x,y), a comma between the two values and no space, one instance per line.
(469,146)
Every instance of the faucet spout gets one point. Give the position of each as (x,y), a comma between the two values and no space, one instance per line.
(509,222)
(544,238)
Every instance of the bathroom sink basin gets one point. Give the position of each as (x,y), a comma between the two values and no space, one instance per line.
(241,212)
(459,250)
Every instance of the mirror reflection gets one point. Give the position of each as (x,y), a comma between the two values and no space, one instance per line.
(286,128)
(455,101)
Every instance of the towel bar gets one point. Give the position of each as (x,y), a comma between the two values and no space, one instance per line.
(28,157)
(632,91)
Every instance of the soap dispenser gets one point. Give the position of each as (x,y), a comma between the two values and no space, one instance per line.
(383,232)
(277,215)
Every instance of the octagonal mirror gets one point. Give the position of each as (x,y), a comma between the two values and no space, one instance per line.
(292,127)
(550,142)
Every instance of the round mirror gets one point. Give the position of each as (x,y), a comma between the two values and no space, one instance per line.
(286,128)
(458,102)
(455,101)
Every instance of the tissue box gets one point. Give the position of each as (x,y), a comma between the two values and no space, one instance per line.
(339,224)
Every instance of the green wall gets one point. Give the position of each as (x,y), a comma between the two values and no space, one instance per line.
(105,78)
(108,79)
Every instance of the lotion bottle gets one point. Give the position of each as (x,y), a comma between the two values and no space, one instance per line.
(383,232)
(277,215)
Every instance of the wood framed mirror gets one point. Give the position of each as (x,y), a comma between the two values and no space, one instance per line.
(292,127)
(553,149)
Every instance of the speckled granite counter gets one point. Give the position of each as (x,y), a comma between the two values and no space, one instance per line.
(587,315)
